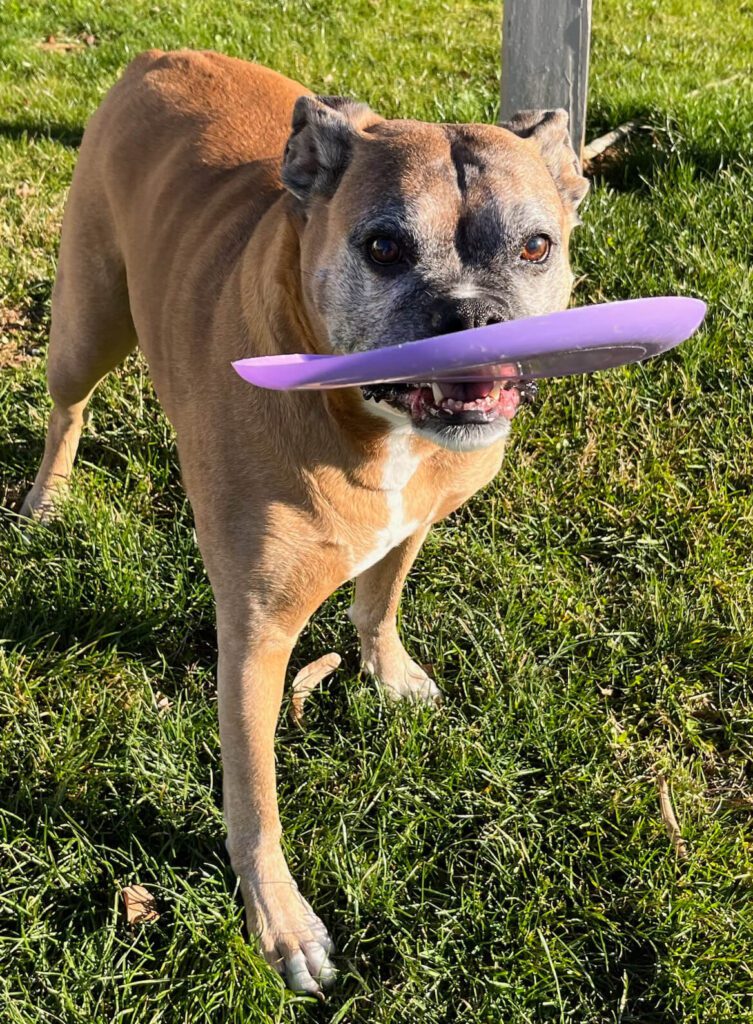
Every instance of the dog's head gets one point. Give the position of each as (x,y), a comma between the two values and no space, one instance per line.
(414,229)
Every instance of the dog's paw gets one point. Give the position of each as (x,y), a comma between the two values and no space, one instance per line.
(292,938)
(39,506)
(400,676)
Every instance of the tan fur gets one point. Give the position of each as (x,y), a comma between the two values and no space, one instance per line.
(178,233)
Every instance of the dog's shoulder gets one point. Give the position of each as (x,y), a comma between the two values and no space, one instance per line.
(203,79)
(223,110)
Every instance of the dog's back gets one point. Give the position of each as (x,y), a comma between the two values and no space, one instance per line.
(181,158)
(178,124)
(177,166)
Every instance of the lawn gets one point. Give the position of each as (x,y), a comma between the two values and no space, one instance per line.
(589,615)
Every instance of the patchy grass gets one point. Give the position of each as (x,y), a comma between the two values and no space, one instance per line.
(589,615)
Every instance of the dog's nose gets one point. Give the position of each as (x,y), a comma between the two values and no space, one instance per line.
(460,315)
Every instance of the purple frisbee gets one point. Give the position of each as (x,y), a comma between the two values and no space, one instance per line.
(576,340)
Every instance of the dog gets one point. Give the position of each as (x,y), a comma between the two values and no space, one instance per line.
(218,211)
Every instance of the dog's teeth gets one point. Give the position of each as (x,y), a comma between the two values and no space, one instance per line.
(437,392)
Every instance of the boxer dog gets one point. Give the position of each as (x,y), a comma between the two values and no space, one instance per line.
(220,211)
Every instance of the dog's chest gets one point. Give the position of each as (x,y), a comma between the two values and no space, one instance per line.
(402,514)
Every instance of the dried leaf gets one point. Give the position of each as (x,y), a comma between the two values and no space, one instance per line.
(11,318)
(670,820)
(308,679)
(140,905)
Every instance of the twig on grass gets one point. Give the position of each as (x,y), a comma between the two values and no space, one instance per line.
(617,136)
(669,818)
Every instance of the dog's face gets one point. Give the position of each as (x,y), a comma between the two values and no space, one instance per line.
(413,230)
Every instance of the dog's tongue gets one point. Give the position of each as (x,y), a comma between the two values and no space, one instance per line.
(469,391)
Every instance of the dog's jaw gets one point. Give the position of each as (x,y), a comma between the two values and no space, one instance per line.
(460,417)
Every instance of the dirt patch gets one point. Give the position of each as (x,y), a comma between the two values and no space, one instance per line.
(56,44)
(13,351)
(12,355)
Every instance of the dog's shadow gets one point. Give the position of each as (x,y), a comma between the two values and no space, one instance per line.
(132,831)
(641,160)
(68,135)
(628,167)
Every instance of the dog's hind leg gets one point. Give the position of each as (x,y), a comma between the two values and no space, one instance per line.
(91,333)
(374,614)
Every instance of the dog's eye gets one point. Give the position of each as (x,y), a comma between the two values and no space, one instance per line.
(536,249)
(384,251)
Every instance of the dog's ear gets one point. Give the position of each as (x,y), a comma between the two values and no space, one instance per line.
(325,129)
(549,130)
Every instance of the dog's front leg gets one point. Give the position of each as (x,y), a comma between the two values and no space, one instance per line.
(251,671)
(374,614)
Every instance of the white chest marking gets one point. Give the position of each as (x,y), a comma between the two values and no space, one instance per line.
(399,467)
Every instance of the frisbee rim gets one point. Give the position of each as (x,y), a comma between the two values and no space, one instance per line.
(676,319)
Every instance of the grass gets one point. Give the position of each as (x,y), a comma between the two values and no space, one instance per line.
(588,615)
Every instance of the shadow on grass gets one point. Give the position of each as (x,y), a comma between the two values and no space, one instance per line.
(50,613)
(626,168)
(65,134)
(19,459)
(134,833)
(654,148)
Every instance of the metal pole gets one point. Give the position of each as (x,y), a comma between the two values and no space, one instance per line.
(545,46)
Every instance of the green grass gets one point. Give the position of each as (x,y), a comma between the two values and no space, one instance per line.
(589,615)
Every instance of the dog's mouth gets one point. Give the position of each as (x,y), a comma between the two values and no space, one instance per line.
(439,405)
